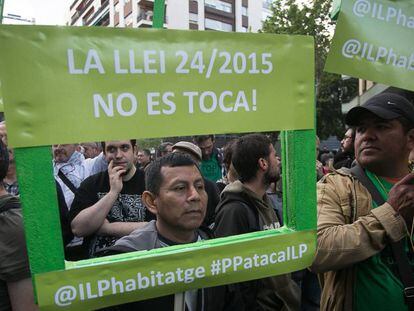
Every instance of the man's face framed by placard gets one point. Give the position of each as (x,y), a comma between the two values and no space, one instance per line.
(94,84)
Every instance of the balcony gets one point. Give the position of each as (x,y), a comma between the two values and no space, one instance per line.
(83,6)
(144,18)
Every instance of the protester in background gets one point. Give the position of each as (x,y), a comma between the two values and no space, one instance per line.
(244,207)
(231,174)
(212,160)
(365,215)
(91,150)
(144,158)
(164,149)
(345,156)
(70,168)
(319,166)
(108,205)
(10,181)
(16,290)
(175,194)
(210,187)
(327,163)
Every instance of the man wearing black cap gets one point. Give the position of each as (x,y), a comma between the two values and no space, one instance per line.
(365,214)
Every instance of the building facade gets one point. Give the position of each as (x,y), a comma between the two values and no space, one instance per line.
(220,15)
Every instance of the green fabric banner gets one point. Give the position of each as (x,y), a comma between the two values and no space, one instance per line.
(374,41)
(66,85)
(1,100)
(104,282)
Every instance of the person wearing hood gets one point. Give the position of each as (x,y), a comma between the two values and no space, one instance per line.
(244,207)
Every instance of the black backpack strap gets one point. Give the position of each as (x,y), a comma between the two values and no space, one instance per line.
(403,265)
(66,181)
(359,173)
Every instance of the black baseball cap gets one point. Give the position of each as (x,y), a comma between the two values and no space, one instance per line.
(386,106)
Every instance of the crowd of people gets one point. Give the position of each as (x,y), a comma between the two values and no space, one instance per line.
(113,198)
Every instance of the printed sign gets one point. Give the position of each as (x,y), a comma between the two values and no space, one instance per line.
(102,82)
(175,270)
(374,41)
(65,85)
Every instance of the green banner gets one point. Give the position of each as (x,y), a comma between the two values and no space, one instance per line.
(374,41)
(175,269)
(65,85)
(1,100)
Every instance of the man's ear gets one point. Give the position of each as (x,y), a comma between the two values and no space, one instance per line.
(148,198)
(263,164)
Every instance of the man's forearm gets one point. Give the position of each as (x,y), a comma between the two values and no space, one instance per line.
(21,295)
(91,219)
(119,229)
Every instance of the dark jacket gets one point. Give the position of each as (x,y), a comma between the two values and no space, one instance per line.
(241,211)
(146,238)
(213,200)
(343,159)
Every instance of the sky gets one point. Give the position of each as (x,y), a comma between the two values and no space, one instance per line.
(45,12)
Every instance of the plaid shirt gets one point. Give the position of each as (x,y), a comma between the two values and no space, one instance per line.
(13,188)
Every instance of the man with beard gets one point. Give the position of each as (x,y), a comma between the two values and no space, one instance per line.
(345,156)
(365,214)
(245,207)
(108,205)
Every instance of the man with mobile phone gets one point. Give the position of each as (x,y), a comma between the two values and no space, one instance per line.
(108,205)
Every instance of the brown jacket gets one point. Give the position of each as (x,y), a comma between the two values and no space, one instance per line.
(349,231)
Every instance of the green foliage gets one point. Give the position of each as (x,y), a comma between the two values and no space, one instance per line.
(312,18)
(149,143)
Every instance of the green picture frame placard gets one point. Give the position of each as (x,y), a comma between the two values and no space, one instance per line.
(112,280)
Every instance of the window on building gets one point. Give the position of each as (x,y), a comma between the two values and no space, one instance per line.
(217,25)
(244,11)
(193,18)
(219,5)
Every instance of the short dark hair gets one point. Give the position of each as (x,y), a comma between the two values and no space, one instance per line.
(133,144)
(163,147)
(406,124)
(4,160)
(246,154)
(228,150)
(146,151)
(200,138)
(153,176)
